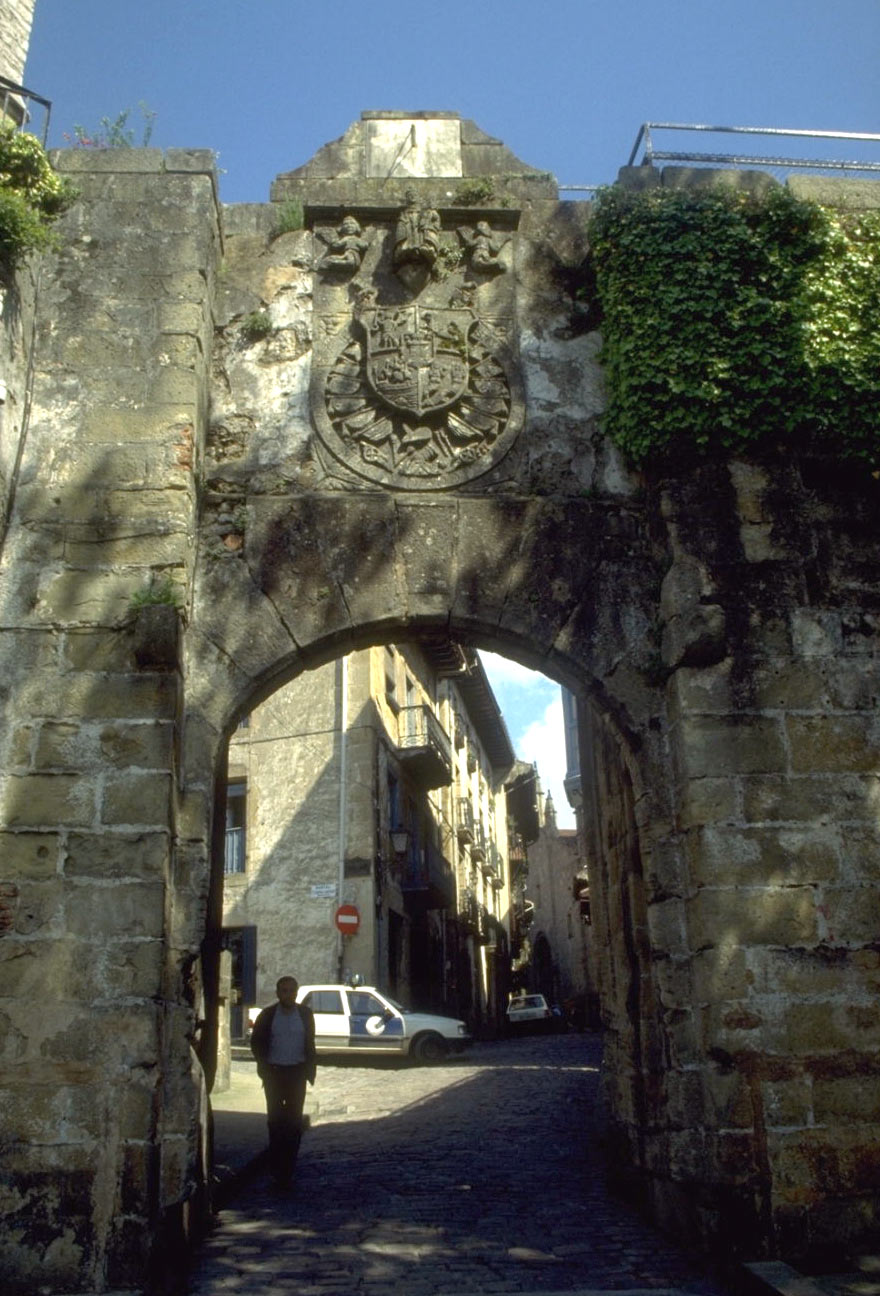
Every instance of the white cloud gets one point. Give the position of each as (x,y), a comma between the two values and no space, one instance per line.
(543,742)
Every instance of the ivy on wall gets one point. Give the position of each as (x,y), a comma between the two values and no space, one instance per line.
(31,194)
(733,322)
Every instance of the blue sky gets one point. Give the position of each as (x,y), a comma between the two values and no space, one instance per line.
(532,709)
(565,83)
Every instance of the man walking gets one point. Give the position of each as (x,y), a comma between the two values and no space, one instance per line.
(283,1043)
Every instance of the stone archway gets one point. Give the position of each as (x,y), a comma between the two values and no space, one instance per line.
(251,438)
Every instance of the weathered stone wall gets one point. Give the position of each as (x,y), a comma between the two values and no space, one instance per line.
(776,752)
(723,628)
(16,19)
(100,1097)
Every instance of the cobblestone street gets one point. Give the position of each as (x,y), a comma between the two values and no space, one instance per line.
(479,1176)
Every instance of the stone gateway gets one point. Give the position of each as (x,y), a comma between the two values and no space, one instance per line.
(239,441)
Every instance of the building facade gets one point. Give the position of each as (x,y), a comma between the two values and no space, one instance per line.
(377,783)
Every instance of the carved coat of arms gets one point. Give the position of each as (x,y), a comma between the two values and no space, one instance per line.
(417,357)
(421,394)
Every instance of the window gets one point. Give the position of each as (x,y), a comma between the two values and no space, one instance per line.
(391,679)
(324,1001)
(236,818)
(364,1004)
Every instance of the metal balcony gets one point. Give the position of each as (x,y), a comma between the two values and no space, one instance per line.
(465,821)
(428,878)
(478,845)
(423,747)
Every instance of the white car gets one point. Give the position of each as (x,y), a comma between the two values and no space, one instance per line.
(531,1012)
(361,1019)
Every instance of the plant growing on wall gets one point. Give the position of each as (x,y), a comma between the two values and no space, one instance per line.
(115,132)
(31,194)
(733,322)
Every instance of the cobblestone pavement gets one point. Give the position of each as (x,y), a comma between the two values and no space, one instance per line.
(479,1176)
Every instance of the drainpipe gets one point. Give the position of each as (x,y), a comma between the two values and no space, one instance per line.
(342,684)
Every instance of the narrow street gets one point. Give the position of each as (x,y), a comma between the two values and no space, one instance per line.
(479,1176)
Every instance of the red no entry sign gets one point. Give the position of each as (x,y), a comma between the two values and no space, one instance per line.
(347,919)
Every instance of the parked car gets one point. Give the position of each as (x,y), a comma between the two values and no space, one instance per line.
(361,1019)
(531,1012)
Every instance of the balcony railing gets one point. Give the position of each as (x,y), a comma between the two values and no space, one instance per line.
(465,823)
(17,104)
(428,877)
(478,845)
(233,857)
(424,747)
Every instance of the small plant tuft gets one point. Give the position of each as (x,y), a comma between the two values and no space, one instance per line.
(256,326)
(290,217)
(473,193)
(115,132)
(163,593)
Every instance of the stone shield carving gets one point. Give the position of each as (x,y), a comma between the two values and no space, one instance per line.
(418,396)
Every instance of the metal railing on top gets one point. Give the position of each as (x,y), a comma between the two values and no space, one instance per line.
(653,154)
(15,106)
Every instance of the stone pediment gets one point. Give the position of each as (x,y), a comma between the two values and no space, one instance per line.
(385,145)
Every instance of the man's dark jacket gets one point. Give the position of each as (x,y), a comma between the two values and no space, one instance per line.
(261,1038)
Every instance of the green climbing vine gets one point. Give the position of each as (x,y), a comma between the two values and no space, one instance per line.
(732,323)
(31,195)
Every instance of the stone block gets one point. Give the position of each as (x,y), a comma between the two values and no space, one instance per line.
(32,1110)
(702,178)
(49,800)
(136,909)
(111,425)
(63,745)
(133,969)
(845,195)
(637,178)
(834,744)
(200,160)
(20,752)
(852,913)
(29,854)
(793,685)
(727,1101)
(62,969)
(861,845)
(193,813)
(144,745)
(740,744)
(666,927)
(78,161)
(118,855)
(821,1027)
(181,317)
(80,594)
(787,1103)
(804,799)
(700,690)
(848,1099)
(99,696)
(757,916)
(721,974)
(137,799)
(815,633)
(733,855)
(706,801)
